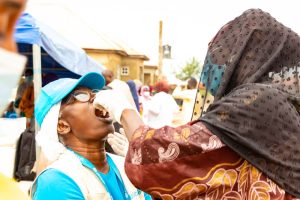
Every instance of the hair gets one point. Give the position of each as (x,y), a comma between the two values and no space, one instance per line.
(192,83)
(28,72)
(108,75)
(162,86)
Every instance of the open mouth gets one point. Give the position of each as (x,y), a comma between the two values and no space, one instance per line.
(101,112)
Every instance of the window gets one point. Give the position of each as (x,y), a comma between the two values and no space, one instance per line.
(125,71)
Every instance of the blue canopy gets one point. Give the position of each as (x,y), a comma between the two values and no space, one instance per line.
(57,51)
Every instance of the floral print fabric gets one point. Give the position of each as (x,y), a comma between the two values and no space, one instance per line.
(189,162)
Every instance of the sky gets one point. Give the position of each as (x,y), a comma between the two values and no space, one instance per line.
(188,25)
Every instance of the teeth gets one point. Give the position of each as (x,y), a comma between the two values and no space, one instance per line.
(104,113)
(102,110)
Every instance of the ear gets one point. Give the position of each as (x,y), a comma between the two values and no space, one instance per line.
(63,127)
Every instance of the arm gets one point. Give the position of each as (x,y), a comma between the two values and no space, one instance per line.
(164,160)
(178,93)
(130,121)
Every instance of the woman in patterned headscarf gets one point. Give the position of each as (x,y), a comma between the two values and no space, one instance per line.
(245,146)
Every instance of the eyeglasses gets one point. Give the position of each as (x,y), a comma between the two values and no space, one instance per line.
(81,96)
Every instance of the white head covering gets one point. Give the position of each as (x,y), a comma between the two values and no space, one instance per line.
(47,138)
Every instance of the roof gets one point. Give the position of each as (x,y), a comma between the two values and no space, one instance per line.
(70,25)
(151,66)
(64,53)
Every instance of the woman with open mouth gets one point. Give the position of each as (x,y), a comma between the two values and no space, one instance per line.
(72,138)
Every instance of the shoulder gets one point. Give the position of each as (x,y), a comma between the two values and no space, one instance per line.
(118,160)
(52,175)
(47,186)
(118,83)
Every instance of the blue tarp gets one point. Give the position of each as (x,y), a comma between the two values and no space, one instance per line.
(63,52)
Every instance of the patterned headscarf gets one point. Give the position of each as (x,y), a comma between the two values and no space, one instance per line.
(252,69)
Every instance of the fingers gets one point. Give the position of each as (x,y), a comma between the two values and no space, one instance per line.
(118,151)
(117,138)
(120,136)
(118,142)
(118,148)
(122,132)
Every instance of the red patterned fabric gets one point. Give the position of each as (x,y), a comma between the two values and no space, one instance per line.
(189,162)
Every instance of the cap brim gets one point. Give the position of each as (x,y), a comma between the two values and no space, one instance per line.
(92,81)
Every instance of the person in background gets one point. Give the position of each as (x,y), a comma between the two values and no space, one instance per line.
(134,93)
(188,96)
(144,99)
(11,67)
(72,138)
(161,108)
(10,111)
(138,85)
(245,146)
(108,75)
(25,83)
(26,104)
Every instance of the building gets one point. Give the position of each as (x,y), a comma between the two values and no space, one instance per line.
(124,61)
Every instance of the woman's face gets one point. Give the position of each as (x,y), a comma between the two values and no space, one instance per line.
(86,122)
(145,92)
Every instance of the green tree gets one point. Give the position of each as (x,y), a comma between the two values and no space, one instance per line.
(191,69)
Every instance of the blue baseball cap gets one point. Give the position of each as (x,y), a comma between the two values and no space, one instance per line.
(55,91)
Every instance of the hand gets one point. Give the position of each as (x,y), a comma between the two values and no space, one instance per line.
(114,102)
(118,142)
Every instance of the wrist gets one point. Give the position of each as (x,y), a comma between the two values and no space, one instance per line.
(128,114)
(130,120)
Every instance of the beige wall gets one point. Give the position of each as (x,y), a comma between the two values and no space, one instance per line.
(134,68)
(149,75)
(111,61)
(114,61)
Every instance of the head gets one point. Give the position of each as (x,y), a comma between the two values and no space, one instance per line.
(192,83)
(161,86)
(78,120)
(108,75)
(10,11)
(145,91)
(28,75)
(251,69)
(248,49)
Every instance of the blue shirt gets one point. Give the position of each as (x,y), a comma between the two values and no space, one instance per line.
(54,184)
(112,184)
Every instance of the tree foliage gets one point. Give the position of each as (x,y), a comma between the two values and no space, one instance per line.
(192,68)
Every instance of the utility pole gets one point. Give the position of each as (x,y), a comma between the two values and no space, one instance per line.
(160,51)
